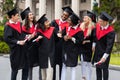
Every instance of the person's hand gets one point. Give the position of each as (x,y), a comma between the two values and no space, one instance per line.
(21,42)
(83,42)
(69,37)
(59,35)
(102,60)
(60,31)
(38,38)
(28,37)
(66,38)
(32,35)
(93,49)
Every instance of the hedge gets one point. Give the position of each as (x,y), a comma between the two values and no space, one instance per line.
(1,33)
(4,48)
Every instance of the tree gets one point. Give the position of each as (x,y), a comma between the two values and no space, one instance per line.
(108,6)
(6,5)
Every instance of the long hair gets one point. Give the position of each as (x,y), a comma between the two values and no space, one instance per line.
(27,23)
(89,26)
(41,26)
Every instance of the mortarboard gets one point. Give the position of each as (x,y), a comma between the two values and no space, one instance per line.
(12,12)
(106,17)
(67,9)
(25,13)
(91,15)
(74,18)
(41,21)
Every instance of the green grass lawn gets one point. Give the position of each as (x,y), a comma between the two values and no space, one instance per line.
(115,59)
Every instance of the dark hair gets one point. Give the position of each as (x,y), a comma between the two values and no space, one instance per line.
(27,23)
(10,16)
(41,26)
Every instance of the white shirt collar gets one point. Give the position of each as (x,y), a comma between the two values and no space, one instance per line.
(75,27)
(11,22)
(62,21)
(31,25)
(104,28)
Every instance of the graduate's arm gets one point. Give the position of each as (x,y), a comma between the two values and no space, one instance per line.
(110,42)
(54,24)
(78,38)
(93,37)
(8,36)
(56,38)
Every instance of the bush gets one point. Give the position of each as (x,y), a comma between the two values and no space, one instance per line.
(4,48)
(116,47)
(1,33)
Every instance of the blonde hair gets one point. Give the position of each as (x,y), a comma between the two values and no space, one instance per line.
(90,26)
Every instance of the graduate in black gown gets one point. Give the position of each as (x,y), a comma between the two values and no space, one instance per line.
(86,48)
(46,47)
(73,38)
(105,36)
(14,37)
(60,25)
(31,47)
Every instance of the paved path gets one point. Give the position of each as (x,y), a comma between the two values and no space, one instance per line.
(5,72)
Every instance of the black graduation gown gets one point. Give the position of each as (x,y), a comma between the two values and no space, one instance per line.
(46,47)
(86,49)
(17,52)
(104,44)
(58,43)
(31,48)
(71,49)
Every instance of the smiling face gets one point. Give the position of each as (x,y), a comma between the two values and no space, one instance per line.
(86,19)
(30,17)
(47,24)
(15,17)
(102,22)
(65,16)
(70,22)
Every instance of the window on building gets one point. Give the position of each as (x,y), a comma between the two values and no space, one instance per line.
(67,2)
(82,13)
(83,1)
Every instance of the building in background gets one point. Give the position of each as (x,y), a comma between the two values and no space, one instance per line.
(53,7)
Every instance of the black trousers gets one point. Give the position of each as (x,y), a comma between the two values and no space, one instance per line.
(24,74)
(102,73)
(54,71)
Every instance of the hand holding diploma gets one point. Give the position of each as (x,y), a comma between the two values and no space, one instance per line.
(37,39)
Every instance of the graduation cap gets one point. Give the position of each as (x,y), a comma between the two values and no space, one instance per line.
(42,20)
(25,13)
(67,9)
(91,15)
(12,12)
(74,18)
(106,17)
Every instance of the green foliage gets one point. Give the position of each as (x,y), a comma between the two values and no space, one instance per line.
(107,6)
(1,33)
(4,48)
(117,26)
(4,20)
(115,59)
(7,5)
(116,47)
